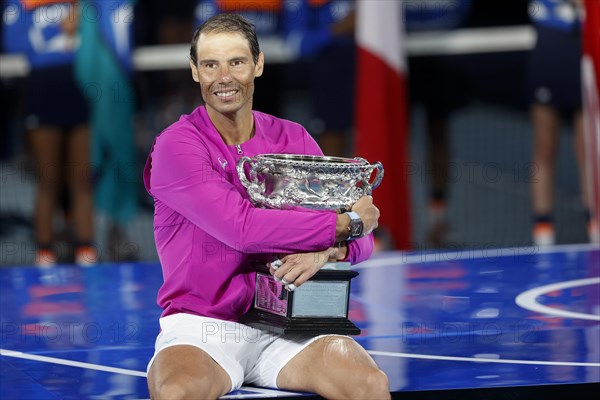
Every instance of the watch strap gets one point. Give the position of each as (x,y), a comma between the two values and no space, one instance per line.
(353,216)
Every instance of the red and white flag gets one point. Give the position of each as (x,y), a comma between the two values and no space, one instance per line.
(381,111)
(591,107)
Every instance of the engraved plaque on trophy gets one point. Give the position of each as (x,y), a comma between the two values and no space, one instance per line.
(321,304)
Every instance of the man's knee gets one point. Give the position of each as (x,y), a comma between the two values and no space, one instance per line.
(167,390)
(373,385)
(178,388)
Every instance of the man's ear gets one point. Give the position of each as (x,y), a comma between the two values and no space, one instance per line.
(194,71)
(260,65)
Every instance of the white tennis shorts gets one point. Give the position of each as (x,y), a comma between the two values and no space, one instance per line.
(248,355)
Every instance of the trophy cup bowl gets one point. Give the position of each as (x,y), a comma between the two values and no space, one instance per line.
(284,181)
(317,182)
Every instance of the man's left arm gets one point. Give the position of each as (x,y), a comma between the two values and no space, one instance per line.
(300,267)
(295,269)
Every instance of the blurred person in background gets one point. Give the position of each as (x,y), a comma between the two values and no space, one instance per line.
(554,92)
(163,94)
(56,120)
(321,34)
(103,68)
(266,16)
(439,85)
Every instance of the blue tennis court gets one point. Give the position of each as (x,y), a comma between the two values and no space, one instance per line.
(492,323)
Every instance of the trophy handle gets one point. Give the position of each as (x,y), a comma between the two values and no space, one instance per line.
(378,175)
(242,173)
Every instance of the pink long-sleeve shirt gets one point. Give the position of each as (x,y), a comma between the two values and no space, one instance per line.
(207,231)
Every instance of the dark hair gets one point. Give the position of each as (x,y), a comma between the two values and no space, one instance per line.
(227,23)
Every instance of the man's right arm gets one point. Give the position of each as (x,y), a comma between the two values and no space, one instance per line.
(182,178)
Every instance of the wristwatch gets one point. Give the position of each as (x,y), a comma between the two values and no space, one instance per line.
(355,227)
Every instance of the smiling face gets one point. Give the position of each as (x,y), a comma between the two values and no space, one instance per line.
(225,71)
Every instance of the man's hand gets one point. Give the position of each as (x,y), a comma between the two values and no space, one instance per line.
(295,269)
(368,213)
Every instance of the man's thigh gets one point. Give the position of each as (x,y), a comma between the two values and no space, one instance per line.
(183,370)
(204,343)
(329,366)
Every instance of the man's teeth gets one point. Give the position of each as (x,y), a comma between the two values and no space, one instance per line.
(225,94)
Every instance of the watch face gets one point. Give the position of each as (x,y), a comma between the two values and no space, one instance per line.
(356,228)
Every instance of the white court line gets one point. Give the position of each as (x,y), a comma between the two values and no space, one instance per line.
(71,363)
(263,392)
(257,392)
(528,299)
(465,254)
(53,360)
(481,360)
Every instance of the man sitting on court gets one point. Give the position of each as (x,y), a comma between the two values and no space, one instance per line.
(207,233)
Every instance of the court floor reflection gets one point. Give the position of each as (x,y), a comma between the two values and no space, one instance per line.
(432,321)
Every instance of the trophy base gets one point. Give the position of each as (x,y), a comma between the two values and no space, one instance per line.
(291,326)
(319,306)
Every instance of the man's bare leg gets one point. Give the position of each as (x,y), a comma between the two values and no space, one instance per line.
(579,149)
(545,149)
(335,367)
(186,372)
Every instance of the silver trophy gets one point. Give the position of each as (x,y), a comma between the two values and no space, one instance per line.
(283,181)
